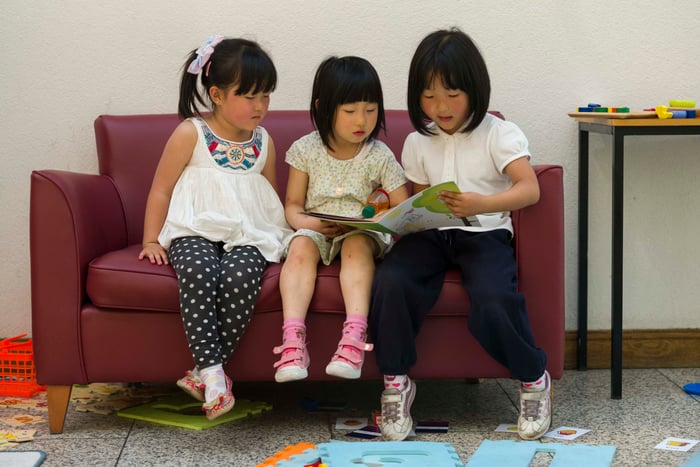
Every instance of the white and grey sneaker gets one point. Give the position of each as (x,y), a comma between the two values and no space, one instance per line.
(535,411)
(396,420)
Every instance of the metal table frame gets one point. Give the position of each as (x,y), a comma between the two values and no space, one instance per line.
(618,129)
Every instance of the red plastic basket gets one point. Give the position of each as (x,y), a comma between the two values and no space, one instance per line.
(17,374)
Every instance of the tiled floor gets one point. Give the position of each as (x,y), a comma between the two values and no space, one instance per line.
(653,407)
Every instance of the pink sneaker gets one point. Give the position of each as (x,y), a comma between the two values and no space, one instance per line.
(192,385)
(348,359)
(293,364)
(222,404)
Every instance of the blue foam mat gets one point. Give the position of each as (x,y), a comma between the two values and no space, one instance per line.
(521,453)
(389,453)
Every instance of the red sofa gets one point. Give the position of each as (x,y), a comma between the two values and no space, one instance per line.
(100,315)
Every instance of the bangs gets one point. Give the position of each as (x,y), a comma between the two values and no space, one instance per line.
(360,85)
(260,74)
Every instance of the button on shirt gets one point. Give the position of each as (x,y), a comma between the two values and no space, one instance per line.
(474,160)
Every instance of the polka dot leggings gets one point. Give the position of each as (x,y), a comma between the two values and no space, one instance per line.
(218,290)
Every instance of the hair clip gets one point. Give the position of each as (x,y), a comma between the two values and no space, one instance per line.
(203,54)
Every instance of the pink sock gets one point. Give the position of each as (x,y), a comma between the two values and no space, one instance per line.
(355,326)
(291,327)
(396,382)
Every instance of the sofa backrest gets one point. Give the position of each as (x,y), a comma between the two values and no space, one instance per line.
(129,148)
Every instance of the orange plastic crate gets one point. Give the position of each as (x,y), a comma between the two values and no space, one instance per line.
(17,373)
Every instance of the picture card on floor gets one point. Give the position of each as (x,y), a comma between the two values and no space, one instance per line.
(366,432)
(677,444)
(566,432)
(432,426)
(507,428)
(350,423)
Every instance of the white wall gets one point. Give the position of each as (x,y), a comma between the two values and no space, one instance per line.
(64,63)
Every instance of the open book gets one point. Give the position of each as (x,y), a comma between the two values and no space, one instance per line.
(422,211)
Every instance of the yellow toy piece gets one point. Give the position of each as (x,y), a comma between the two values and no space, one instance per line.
(662,112)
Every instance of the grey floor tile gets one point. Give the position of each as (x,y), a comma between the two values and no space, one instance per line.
(653,407)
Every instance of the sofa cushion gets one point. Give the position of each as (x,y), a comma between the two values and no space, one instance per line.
(119,281)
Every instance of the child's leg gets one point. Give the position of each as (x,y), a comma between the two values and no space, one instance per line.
(406,285)
(196,263)
(356,274)
(238,287)
(498,316)
(498,320)
(297,283)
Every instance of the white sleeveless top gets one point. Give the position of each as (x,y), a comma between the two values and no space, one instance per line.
(222,196)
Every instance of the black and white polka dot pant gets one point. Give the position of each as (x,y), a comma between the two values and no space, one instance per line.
(218,290)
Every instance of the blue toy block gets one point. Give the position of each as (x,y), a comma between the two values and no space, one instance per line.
(521,453)
(389,453)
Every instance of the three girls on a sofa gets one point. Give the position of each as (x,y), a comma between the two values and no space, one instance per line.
(204,216)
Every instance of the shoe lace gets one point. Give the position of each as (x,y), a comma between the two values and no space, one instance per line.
(530,408)
(390,411)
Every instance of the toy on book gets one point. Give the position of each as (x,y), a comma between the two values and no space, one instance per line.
(422,211)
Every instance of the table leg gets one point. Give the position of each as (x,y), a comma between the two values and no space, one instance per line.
(582,338)
(618,157)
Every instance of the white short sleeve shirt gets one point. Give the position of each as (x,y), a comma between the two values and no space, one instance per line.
(475,161)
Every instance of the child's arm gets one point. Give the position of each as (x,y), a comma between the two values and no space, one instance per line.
(524,192)
(398,196)
(295,201)
(176,155)
(270,169)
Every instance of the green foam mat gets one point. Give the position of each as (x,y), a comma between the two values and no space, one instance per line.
(184,411)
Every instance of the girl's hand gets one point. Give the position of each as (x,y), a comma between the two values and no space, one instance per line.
(462,204)
(332,230)
(155,253)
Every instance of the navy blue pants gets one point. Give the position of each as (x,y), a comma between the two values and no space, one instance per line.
(407,284)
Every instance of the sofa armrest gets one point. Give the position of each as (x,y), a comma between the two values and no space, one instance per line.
(73,218)
(539,249)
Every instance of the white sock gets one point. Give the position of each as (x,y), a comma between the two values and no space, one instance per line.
(214,379)
(396,382)
(535,386)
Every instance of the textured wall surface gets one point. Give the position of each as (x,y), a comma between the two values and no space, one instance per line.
(65,63)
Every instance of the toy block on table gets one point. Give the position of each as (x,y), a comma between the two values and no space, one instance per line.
(296,455)
(521,453)
(681,103)
(406,453)
(183,411)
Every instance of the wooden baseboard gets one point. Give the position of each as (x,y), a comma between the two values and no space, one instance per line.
(662,348)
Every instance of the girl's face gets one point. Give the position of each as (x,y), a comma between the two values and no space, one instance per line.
(238,115)
(353,123)
(448,108)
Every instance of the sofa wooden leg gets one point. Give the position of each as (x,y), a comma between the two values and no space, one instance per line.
(59,396)
(472,380)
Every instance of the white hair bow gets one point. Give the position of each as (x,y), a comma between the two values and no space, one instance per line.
(203,54)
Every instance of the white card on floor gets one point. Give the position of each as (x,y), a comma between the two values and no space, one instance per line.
(507,428)
(350,423)
(677,444)
(566,432)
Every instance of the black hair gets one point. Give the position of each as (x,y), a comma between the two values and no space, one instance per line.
(234,62)
(341,81)
(452,56)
